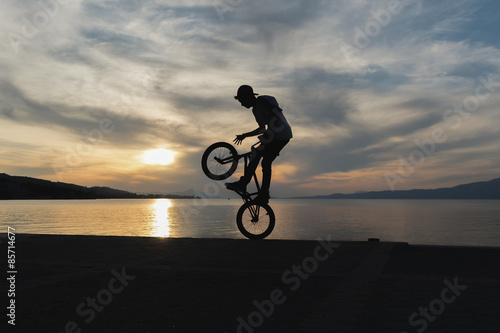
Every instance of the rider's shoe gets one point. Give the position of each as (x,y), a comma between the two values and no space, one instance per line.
(239,186)
(262,198)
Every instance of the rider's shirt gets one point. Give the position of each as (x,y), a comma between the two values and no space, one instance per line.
(267,112)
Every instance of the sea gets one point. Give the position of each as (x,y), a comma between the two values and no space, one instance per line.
(426,222)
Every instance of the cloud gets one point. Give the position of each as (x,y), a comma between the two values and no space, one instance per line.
(320,94)
(128,129)
(163,73)
(473,69)
(379,79)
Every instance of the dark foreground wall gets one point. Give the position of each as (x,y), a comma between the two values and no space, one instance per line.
(132,284)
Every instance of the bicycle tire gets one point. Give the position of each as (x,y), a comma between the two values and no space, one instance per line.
(255,227)
(215,170)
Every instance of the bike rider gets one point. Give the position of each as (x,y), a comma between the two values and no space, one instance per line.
(276,134)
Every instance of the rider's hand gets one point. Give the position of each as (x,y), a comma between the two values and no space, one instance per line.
(239,139)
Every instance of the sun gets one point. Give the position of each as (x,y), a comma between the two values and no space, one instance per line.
(158,156)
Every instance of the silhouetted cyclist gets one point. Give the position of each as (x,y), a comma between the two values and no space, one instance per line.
(276,134)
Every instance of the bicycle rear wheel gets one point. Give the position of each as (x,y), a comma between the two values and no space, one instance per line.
(255,221)
(219,161)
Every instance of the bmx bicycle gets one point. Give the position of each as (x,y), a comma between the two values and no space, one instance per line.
(255,220)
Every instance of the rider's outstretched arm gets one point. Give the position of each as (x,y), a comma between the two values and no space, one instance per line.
(256,131)
(241,137)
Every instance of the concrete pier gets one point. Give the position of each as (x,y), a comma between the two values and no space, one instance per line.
(138,284)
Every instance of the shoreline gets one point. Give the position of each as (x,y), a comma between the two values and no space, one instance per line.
(4,235)
(268,239)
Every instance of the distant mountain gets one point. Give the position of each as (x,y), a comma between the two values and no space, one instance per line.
(196,193)
(479,190)
(15,187)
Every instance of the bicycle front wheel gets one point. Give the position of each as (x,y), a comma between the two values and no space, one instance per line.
(255,221)
(219,161)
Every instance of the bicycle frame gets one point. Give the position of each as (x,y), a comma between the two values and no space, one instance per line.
(246,196)
(255,218)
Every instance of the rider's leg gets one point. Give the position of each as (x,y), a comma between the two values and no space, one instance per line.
(241,184)
(251,167)
(267,162)
(270,153)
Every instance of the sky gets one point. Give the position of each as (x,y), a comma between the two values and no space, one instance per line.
(380,95)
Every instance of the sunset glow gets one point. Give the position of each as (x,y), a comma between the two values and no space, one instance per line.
(158,156)
(161,218)
(380,95)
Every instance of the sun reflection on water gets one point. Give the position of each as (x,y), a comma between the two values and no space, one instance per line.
(161,218)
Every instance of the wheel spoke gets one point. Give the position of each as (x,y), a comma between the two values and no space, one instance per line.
(221,154)
(219,161)
(255,223)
